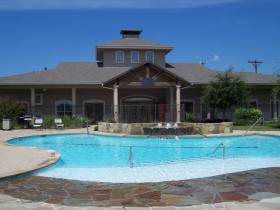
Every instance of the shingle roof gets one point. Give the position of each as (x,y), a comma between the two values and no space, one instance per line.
(90,73)
(131,43)
(198,74)
(66,73)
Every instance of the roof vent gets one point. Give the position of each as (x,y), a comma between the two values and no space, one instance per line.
(130,33)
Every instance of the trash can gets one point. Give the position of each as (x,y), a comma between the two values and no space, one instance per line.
(6,124)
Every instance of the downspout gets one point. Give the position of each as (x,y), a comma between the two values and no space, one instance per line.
(106,87)
(187,87)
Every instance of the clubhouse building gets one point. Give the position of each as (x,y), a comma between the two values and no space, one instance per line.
(130,82)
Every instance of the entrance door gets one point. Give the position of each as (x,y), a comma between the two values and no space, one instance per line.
(138,110)
(94,111)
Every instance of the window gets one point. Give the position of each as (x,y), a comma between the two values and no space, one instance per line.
(119,56)
(63,108)
(94,109)
(38,99)
(134,57)
(150,56)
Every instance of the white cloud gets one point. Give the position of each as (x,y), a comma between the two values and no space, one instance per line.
(107,4)
(215,58)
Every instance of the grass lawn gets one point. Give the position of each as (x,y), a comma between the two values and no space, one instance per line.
(268,126)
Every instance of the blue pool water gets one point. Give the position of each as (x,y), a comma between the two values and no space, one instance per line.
(94,157)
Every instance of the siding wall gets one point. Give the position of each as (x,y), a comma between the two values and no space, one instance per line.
(262,95)
(110,61)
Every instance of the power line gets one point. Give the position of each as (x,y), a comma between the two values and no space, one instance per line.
(255,64)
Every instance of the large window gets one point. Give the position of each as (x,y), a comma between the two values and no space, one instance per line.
(63,108)
(94,109)
(134,57)
(119,56)
(150,56)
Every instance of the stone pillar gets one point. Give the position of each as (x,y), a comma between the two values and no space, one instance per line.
(116,103)
(32,100)
(73,102)
(171,104)
(178,103)
(275,118)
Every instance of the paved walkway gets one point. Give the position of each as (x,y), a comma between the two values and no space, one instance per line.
(256,189)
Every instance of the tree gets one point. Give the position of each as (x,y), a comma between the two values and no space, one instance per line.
(10,108)
(225,91)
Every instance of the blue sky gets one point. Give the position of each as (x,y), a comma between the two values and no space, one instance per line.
(35,34)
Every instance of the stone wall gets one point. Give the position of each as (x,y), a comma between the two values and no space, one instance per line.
(136,128)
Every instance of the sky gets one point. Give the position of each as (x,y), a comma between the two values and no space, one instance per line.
(224,33)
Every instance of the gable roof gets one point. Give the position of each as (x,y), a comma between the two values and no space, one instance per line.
(131,43)
(79,73)
(149,64)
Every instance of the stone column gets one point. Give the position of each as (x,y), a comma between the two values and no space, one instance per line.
(275,118)
(32,100)
(171,104)
(178,103)
(73,102)
(116,103)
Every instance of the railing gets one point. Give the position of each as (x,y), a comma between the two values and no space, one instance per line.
(221,145)
(87,126)
(140,113)
(261,118)
(130,158)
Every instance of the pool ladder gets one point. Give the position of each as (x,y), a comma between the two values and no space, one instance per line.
(221,145)
(87,126)
(261,118)
(130,159)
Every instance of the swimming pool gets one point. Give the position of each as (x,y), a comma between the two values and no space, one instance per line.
(120,159)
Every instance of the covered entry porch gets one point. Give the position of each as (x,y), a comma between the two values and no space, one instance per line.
(146,93)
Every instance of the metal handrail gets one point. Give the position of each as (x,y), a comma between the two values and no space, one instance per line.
(221,145)
(253,125)
(130,159)
(87,126)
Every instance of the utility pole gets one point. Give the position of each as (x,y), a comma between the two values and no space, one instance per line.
(203,63)
(255,64)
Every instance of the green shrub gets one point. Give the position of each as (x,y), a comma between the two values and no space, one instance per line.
(247,115)
(48,122)
(66,120)
(10,108)
(189,117)
(75,122)
(108,120)
(256,114)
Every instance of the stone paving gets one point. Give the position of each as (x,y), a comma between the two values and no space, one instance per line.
(253,185)
(255,189)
